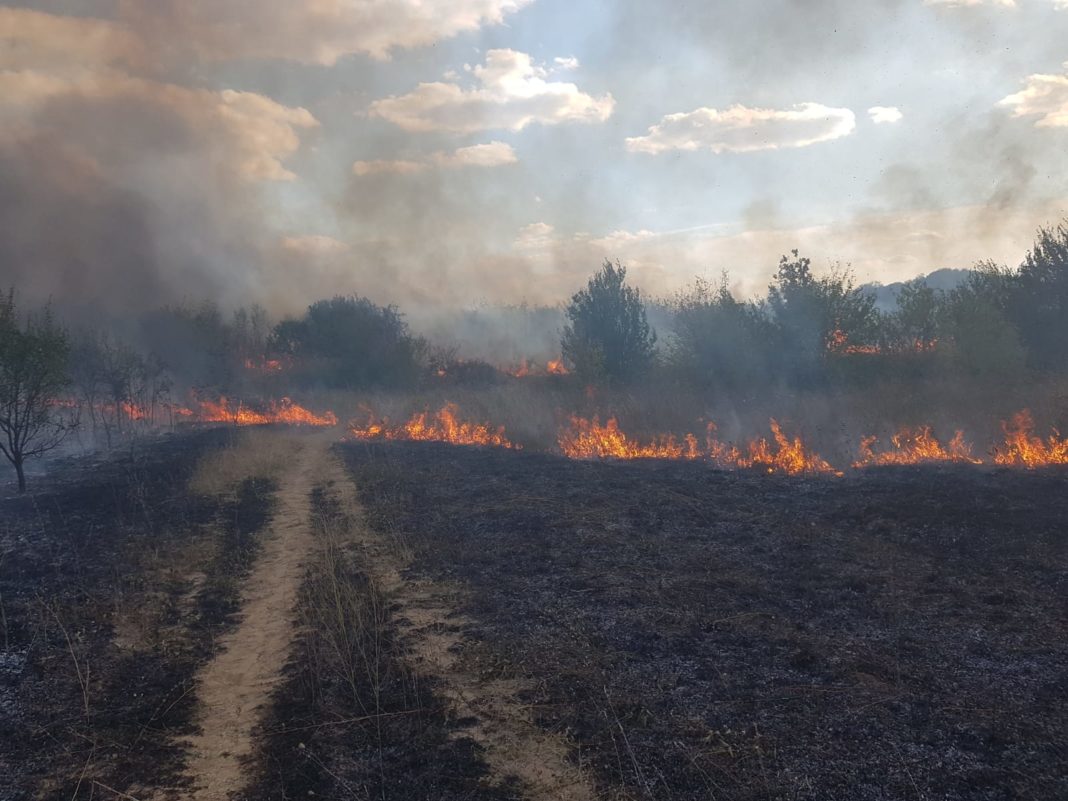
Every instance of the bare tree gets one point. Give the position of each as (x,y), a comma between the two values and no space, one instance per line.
(33,374)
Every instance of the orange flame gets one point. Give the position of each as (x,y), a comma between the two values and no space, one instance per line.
(442,426)
(1023,448)
(588,439)
(916,446)
(556,367)
(283,411)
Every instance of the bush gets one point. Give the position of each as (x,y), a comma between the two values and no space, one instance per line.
(350,343)
(607,334)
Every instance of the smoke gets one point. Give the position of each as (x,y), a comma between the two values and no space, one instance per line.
(155,152)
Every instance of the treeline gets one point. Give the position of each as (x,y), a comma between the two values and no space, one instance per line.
(814,330)
(808,331)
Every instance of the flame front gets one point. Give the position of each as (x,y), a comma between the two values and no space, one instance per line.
(588,439)
(283,411)
(1023,448)
(916,446)
(444,425)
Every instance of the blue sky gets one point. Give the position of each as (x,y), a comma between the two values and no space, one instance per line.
(447,153)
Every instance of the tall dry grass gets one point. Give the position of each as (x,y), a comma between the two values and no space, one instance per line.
(251,454)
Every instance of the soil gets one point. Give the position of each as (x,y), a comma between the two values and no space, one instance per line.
(898,633)
(419,621)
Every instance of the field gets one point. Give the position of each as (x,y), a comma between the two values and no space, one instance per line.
(272,614)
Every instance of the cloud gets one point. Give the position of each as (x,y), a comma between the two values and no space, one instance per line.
(878,246)
(511,93)
(243,132)
(1044,96)
(742,130)
(885,114)
(310,31)
(491,154)
(314,245)
(34,40)
(968,3)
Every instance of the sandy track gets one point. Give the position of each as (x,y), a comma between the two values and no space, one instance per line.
(235,686)
(434,633)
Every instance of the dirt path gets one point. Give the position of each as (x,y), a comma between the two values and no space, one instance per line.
(434,634)
(234,687)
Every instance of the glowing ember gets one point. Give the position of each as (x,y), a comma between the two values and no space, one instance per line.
(838,342)
(264,365)
(916,446)
(283,411)
(526,368)
(1023,448)
(442,426)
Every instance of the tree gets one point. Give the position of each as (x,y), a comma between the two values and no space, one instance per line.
(350,343)
(719,340)
(814,315)
(607,333)
(33,374)
(915,322)
(1040,310)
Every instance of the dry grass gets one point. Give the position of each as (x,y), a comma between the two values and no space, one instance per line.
(252,454)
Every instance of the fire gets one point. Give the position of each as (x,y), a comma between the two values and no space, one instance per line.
(264,365)
(522,371)
(444,425)
(789,456)
(283,411)
(588,439)
(838,342)
(916,446)
(1023,448)
(526,368)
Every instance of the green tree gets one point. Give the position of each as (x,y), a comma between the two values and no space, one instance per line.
(33,374)
(916,321)
(720,341)
(1040,308)
(607,334)
(814,314)
(982,340)
(349,342)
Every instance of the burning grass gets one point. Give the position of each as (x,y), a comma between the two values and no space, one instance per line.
(445,425)
(916,446)
(1022,447)
(588,439)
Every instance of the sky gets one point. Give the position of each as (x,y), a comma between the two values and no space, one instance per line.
(449,153)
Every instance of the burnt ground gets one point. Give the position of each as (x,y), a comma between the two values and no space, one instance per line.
(352,718)
(114,584)
(899,633)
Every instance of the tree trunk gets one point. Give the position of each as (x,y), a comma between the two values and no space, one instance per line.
(21,474)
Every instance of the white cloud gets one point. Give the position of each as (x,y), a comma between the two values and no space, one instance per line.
(1044,96)
(314,245)
(311,31)
(535,236)
(390,166)
(741,130)
(967,3)
(34,40)
(572,63)
(244,132)
(512,93)
(491,154)
(885,114)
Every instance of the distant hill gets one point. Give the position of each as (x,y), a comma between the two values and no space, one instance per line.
(886,294)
